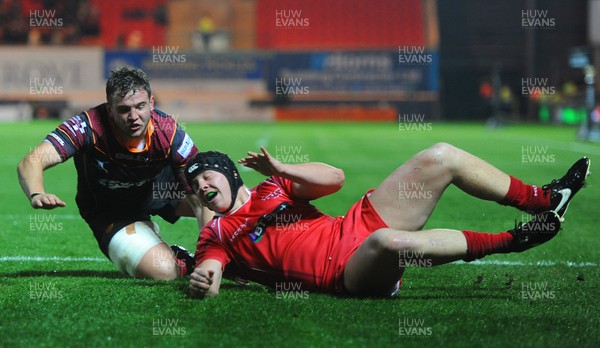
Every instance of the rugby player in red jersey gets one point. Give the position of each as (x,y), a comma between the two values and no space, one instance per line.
(272,234)
(130,160)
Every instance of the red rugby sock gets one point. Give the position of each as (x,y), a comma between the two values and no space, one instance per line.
(529,198)
(480,244)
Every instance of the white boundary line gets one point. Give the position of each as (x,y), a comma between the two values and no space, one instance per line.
(51,258)
(460,263)
(27,217)
(522,264)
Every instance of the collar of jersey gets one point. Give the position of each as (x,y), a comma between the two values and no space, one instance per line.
(238,208)
(132,144)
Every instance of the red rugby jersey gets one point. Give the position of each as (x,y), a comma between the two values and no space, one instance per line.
(295,245)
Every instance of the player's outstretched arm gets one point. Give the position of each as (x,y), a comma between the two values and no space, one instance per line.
(206,279)
(30,171)
(311,180)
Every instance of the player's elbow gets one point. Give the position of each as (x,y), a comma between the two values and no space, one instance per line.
(339,179)
(27,164)
(21,166)
(334,182)
(20,169)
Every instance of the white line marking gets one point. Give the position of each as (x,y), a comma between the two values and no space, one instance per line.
(543,263)
(585,149)
(576,146)
(521,263)
(27,217)
(51,258)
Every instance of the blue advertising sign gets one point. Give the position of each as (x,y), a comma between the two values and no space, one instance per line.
(408,69)
(169,63)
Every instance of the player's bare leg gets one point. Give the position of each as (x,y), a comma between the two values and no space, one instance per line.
(407,197)
(380,260)
(377,265)
(158,263)
(138,250)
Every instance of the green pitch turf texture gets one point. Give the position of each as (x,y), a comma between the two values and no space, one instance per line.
(546,297)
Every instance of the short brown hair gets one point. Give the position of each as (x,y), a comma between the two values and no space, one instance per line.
(124,80)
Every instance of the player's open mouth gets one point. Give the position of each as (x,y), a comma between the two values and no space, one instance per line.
(210,196)
(135,127)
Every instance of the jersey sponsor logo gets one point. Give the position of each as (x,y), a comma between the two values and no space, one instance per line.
(115,184)
(132,157)
(267,220)
(57,138)
(186,146)
(258,233)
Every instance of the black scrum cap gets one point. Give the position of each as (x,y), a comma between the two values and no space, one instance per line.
(217,161)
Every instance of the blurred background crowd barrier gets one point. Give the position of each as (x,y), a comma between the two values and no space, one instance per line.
(343,60)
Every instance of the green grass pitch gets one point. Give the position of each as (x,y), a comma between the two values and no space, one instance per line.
(546,297)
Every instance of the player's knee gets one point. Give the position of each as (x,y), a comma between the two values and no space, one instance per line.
(440,155)
(138,250)
(440,151)
(391,241)
(158,263)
